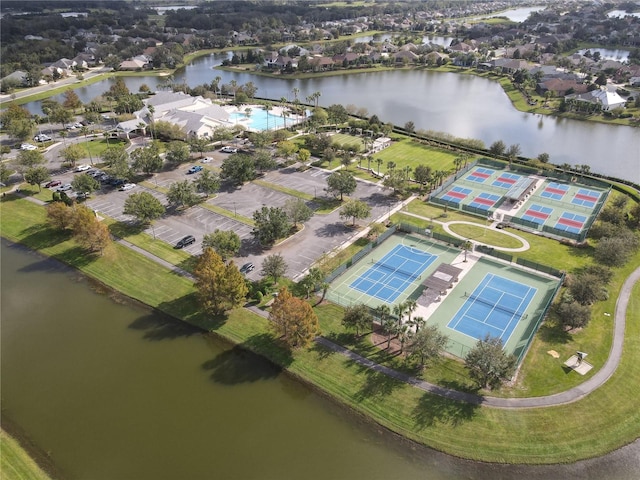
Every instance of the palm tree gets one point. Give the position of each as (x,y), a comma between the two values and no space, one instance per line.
(85,131)
(325,287)
(410,306)
(283,103)
(151,110)
(379,162)
(266,107)
(64,135)
(215,85)
(466,246)
(295,91)
(419,322)
(315,96)
(398,311)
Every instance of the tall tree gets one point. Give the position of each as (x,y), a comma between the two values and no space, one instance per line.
(355,209)
(274,266)
(182,194)
(293,320)
(225,243)
(72,154)
(427,344)
(144,206)
(36,176)
(147,159)
(271,224)
(177,152)
(422,174)
(207,182)
(220,287)
(357,317)
(341,183)
(84,183)
(297,210)
(27,159)
(238,169)
(199,144)
(488,364)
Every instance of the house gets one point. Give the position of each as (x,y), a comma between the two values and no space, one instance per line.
(605,99)
(560,86)
(320,64)
(135,63)
(17,78)
(405,56)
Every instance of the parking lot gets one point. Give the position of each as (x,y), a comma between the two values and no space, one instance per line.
(319,236)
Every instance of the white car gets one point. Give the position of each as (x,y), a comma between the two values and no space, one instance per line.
(127,186)
(227,149)
(83,168)
(42,138)
(64,188)
(206,160)
(28,146)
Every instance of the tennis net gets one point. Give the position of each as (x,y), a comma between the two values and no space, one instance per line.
(497,306)
(397,270)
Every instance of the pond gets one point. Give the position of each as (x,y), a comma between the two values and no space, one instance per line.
(112,390)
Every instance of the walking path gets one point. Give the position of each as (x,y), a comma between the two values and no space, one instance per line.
(571,395)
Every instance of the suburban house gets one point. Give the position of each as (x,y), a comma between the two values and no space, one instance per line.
(603,98)
(135,63)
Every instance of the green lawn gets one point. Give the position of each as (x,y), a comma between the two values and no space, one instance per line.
(407,152)
(15,462)
(343,139)
(485,235)
(600,422)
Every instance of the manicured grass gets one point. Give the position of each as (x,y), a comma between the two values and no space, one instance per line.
(226,213)
(600,422)
(154,246)
(15,462)
(407,152)
(436,212)
(343,139)
(485,235)
(280,188)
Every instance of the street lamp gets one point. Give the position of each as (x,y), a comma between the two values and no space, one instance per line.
(235,212)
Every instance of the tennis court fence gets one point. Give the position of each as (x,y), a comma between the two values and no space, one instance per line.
(397,270)
(497,306)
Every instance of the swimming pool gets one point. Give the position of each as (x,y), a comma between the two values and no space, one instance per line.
(259,120)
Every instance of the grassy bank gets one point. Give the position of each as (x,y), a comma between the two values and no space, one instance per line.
(603,421)
(15,462)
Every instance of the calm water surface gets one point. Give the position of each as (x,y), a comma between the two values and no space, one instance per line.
(461,105)
(113,391)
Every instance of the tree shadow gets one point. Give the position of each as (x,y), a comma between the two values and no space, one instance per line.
(376,384)
(250,246)
(433,409)
(239,365)
(157,326)
(187,308)
(42,236)
(553,333)
(331,230)
(321,351)
(378,199)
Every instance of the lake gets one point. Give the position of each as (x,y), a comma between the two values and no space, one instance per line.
(113,390)
(461,105)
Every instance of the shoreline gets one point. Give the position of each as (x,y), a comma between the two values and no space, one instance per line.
(305,369)
(43,460)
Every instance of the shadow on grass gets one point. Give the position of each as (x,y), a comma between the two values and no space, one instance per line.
(376,384)
(41,236)
(125,229)
(433,409)
(187,308)
(188,264)
(553,333)
(157,326)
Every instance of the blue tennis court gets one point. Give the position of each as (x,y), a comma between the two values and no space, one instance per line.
(554,191)
(456,194)
(388,277)
(479,175)
(506,180)
(586,198)
(537,214)
(495,307)
(484,201)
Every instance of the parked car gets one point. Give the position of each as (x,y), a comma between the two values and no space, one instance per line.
(227,149)
(206,160)
(185,241)
(95,173)
(116,182)
(247,267)
(127,186)
(195,169)
(78,125)
(41,137)
(52,183)
(64,188)
(28,146)
(83,168)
